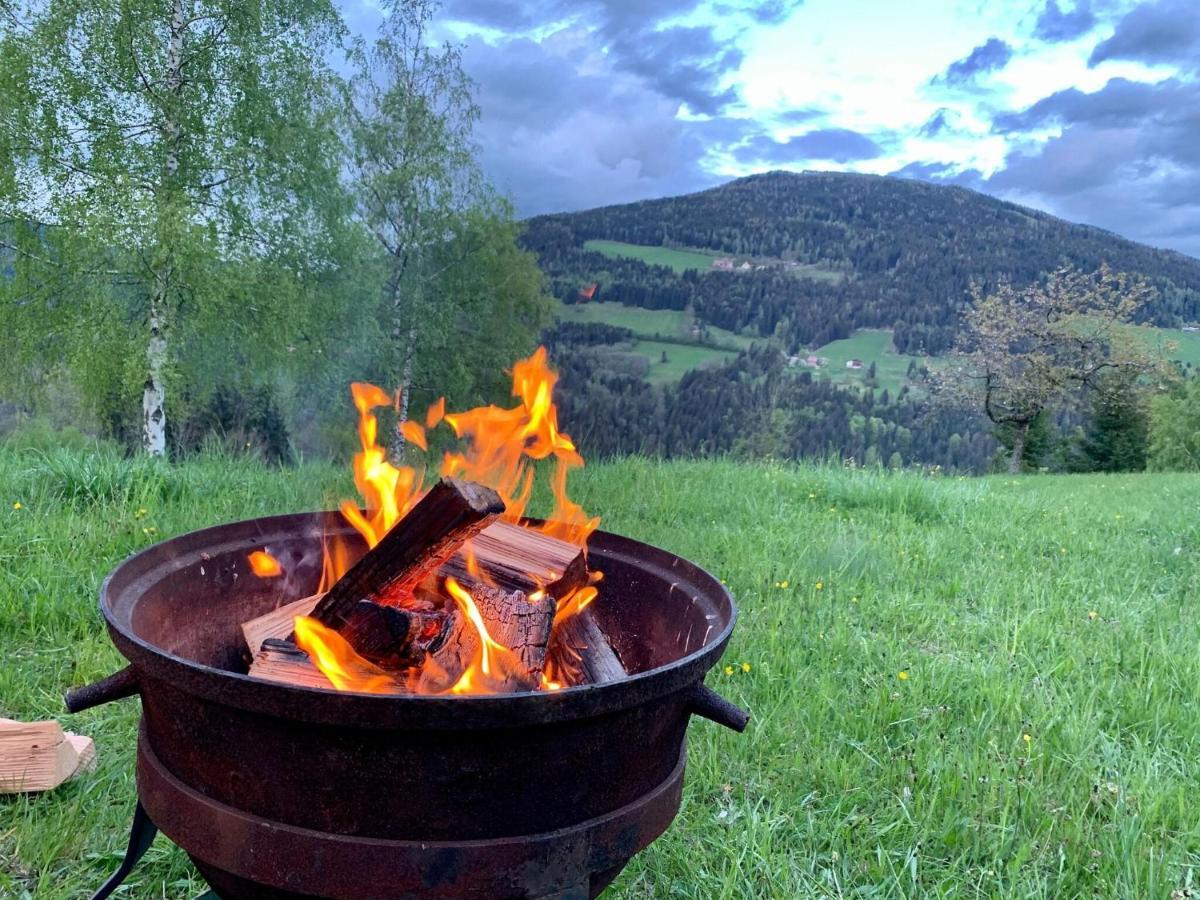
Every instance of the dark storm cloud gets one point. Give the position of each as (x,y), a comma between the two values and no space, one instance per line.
(1164,32)
(1127,158)
(989,56)
(556,134)
(1119,102)
(690,63)
(1056,23)
(686,63)
(835,144)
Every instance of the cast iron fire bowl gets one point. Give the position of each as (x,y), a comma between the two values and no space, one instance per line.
(281,791)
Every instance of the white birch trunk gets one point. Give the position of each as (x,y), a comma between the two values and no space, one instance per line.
(154,394)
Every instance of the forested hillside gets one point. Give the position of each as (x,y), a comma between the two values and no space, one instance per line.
(801,264)
(905,251)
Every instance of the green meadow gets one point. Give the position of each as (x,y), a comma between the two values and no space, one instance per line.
(960,687)
(674,258)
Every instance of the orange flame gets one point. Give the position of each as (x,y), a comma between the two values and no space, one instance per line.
(493,665)
(333,655)
(501,447)
(264,565)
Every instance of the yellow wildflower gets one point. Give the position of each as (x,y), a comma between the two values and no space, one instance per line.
(745,667)
(729,670)
(1062,549)
(17,505)
(1093,615)
(141,512)
(812,496)
(784,583)
(819,585)
(903,676)
(149,529)
(1026,738)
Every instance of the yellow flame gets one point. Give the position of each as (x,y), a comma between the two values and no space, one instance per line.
(333,655)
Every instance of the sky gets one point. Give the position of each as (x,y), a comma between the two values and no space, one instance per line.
(1088,109)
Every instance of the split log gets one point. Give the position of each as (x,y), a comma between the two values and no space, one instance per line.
(580,653)
(452,512)
(278,623)
(38,756)
(283,662)
(507,554)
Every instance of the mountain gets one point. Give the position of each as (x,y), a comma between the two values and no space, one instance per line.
(830,253)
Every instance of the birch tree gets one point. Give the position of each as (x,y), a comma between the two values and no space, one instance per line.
(1021,352)
(159,140)
(411,115)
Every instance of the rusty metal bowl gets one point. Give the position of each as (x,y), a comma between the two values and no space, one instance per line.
(281,791)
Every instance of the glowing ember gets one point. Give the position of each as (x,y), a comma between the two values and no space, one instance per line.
(264,565)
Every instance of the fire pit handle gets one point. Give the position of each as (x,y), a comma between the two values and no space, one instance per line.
(116,686)
(704,701)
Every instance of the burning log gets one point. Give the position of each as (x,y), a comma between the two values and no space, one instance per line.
(394,638)
(283,662)
(580,653)
(505,554)
(452,512)
(516,558)
(519,622)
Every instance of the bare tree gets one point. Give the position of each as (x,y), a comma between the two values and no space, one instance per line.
(1024,351)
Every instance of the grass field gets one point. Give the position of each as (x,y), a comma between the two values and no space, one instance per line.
(681,359)
(891,368)
(679,260)
(671,324)
(960,687)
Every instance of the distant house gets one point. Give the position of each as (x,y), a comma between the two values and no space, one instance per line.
(854,364)
(814,362)
(588,292)
(745,267)
(1191,327)
(724,263)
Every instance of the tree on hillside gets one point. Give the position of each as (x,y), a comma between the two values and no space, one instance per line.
(411,114)
(1025,351)
(1175,429)
(1114,437)
(150,152)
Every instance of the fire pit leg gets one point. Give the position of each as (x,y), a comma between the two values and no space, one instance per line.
(141,836)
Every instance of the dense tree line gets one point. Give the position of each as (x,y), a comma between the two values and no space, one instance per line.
(754,406)
(906,253)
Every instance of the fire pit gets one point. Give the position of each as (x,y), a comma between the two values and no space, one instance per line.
(420,698)
(283,791)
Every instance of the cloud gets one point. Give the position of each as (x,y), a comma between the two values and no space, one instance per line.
(989,56)
(1055,24)
(561,130)
(942,121)
(1127,158)
(686,63)
(1163,32)
(942,173)
(834,144)
(690,62)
